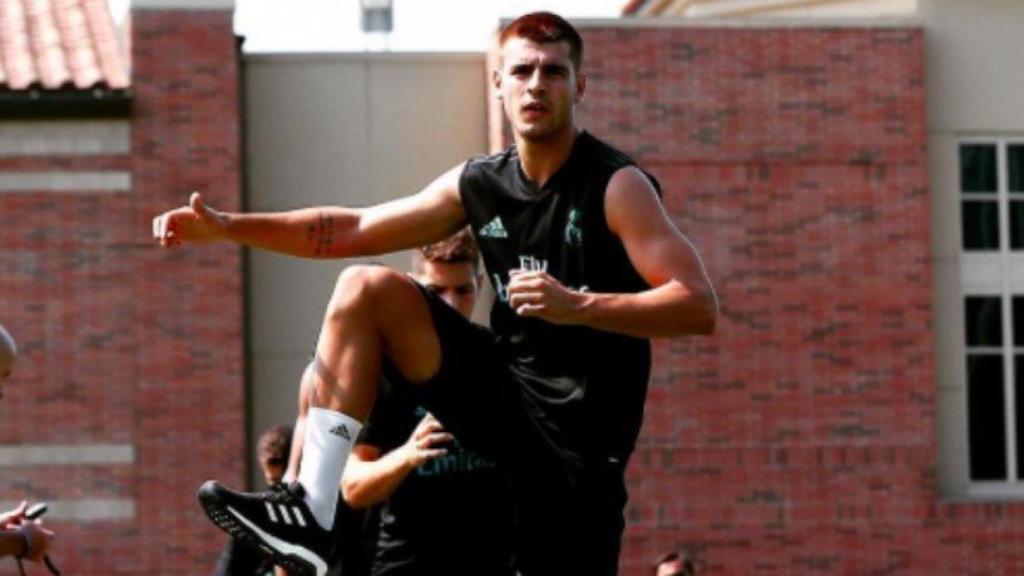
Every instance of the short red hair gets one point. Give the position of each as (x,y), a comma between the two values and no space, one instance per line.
(543,28)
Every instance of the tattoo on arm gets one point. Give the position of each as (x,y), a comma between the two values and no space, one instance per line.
(321,234)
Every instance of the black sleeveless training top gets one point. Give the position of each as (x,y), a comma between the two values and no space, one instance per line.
(585,387)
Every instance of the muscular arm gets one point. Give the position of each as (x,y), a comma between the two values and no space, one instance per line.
(326,232)
(681,299)
(370,478)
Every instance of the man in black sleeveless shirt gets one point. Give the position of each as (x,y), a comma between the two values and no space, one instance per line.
(588,267)
(443,509)
(446,509)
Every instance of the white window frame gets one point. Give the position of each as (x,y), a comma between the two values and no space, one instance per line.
(993,273)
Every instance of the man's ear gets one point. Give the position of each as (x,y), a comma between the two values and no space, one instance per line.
(581,87)
(496,83)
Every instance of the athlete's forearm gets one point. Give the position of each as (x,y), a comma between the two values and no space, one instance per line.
(326,232)
(367,482)
(667,311)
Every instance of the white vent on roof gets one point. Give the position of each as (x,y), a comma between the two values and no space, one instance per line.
(376,15)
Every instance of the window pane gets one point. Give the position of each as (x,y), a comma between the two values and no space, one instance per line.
(978,167)
(986,418)
(1017,225)
(980,225)
(1015,153)
(984,320)
(1018,362)
(1018,320)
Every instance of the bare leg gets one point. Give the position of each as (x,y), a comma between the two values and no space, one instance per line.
(374,311)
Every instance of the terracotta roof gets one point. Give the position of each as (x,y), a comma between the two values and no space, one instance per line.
(60,44)
(631,7)
(659,7)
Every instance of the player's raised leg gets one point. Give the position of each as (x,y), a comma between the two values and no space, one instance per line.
(375,312)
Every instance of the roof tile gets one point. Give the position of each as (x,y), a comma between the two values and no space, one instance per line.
(55,44)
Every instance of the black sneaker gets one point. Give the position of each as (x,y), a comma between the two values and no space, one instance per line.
(277,522)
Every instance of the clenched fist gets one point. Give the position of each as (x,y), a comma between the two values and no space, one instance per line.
(196,222)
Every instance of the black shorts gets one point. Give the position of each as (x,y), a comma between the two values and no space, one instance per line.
(569,508)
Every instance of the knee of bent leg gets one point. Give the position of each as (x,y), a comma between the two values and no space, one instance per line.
(359,286)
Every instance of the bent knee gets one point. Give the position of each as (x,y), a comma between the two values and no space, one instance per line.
(362,285)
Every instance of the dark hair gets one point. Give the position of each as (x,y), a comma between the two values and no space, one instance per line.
(274,445)
(456,249)
(545,27)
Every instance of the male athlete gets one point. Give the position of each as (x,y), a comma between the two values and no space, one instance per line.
(588,267)
(446,510)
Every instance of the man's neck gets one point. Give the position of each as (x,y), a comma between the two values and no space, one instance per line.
(540,159)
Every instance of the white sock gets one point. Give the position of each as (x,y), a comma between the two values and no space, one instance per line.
(329,438)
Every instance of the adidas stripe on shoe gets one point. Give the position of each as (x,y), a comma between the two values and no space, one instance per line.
(276,521)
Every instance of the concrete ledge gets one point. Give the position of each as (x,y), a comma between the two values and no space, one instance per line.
(87,510)
(62,455)
(65,138)
(106,181)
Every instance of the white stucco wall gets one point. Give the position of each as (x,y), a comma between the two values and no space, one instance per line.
(975,89)
(348,129)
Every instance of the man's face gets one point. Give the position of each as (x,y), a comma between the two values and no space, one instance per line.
(539,86)
(455,282)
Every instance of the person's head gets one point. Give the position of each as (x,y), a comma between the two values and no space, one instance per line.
(272,451)
(8,352)
(673,564)
(539,78)
(449,269)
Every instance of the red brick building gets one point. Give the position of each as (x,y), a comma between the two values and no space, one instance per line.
(802,438)
(797,439)
(129,389)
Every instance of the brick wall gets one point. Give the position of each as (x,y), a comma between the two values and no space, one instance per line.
(801,438)
(122,343)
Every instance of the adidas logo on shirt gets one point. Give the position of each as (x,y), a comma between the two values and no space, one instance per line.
(341,430)
(494,229)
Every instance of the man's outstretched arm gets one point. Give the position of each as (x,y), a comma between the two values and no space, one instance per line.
(681,299)
(431,215)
